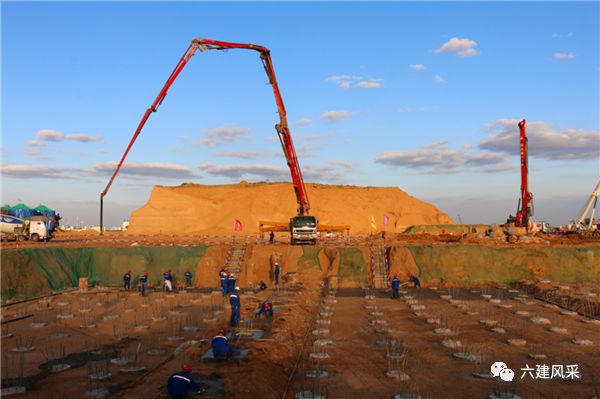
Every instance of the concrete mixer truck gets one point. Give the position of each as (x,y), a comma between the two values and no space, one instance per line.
(14,228)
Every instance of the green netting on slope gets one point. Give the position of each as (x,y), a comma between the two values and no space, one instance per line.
(352,265)
(455,228)
(310,257)
(34,271)
(479,264)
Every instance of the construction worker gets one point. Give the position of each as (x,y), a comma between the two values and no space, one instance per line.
(234,301)
(223,278)
(262,285)
(127,280)
(188,277)
(265,308)
(415,280)
(271,238)
(230,283)
(168,279)
(144,283)
(180,384)
(220,346)
(395,286)
(276,273)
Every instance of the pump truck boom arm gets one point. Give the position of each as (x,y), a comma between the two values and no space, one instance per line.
(282,128)
(525,202)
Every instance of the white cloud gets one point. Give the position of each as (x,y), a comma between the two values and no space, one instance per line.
(40,172)
(347,81)
(418,67)
(334,116)
(53,135)
(562,35)
(36,144)
(178,150)
(564,56)
(438,79)
(343,164)
(303,122)
(246,154)
(145,170)
(236,171)
(543,140)
(216,136)
(462,47)
(440,158)
(370,84)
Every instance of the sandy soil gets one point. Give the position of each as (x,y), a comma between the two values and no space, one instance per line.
(194,208)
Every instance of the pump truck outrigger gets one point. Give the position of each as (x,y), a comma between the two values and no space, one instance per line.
(303,227)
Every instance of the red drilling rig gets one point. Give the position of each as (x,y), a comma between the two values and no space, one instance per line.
(303,227)
(525,206)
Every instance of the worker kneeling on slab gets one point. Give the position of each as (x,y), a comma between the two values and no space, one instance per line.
(180,384)
(265,308)
(220,346)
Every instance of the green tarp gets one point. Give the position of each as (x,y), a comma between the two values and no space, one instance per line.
(43,208)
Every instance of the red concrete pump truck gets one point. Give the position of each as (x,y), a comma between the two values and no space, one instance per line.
(303,227)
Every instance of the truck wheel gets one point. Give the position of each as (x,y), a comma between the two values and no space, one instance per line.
(35,237)
(20,238)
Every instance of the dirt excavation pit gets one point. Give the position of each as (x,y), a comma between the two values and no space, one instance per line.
(334,332)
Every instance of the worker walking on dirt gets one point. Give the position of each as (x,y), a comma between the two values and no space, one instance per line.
(234,301)
(188,277)
(180,384)
(265,308)
(276,273)
(168,279)
(230,283)
(395,286)
(415,280)
(144,283)
(127,280)
(223,278)
(271,238)
(220,346)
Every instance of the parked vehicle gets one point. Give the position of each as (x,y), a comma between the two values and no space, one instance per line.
(14,228)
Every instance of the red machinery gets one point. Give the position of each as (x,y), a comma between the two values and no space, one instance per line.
(282,127)
(525,207)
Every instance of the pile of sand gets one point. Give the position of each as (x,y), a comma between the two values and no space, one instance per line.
(204,209)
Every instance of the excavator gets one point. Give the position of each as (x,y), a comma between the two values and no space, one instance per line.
(303,227)
(525,205)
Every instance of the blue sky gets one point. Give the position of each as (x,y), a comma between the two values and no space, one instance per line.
(423,96)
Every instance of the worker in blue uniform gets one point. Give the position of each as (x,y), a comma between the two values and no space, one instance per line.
(266,308)
(188,277)
(127,280)
(144,283)
(231,280)
(220,346)
(180,384)
(395,286)
(415,280)
(223,279)
(234,301)
(276,273)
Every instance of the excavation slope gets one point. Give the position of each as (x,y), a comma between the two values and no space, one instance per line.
(194,208)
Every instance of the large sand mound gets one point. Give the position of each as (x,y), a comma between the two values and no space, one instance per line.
(195,208)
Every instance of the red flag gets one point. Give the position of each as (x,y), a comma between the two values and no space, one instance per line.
(237,225)
(386,219)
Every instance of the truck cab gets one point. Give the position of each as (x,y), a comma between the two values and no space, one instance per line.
(303,230)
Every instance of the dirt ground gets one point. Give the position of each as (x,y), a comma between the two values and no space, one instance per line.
(357,362)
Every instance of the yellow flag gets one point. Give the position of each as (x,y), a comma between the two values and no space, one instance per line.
(373,225)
